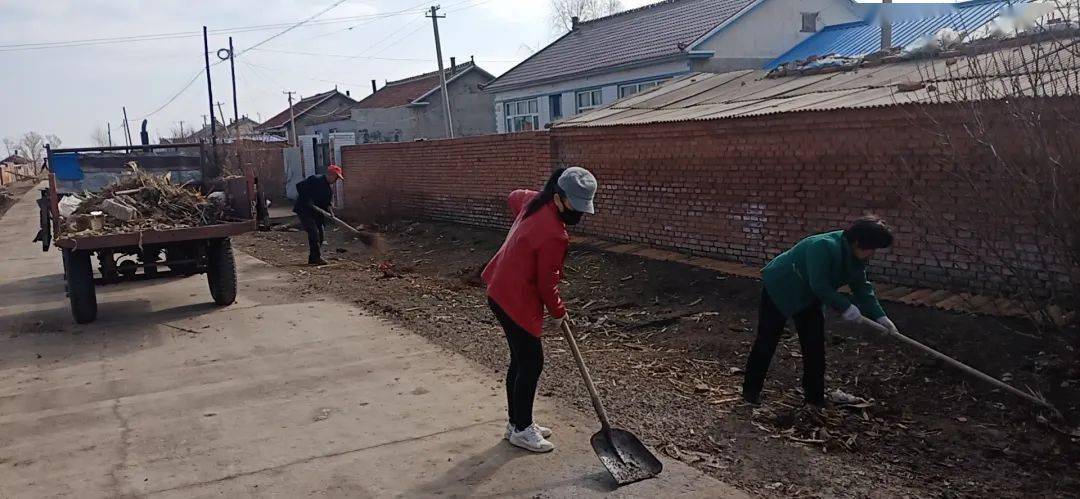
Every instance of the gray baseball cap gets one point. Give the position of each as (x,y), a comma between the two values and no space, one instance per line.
(580,188)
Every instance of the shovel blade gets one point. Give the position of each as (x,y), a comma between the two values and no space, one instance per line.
(624,456)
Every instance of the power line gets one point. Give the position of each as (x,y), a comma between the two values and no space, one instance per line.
(190,34)
(202,71)
(290,28)
(343,56)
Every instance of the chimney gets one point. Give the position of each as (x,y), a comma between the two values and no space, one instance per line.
(348,93)
(886,27)
(373,87)
(574,22)
(453,66)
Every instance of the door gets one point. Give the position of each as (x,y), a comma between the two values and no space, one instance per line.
(294,170)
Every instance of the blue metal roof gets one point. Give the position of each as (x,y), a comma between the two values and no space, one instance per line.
(864,37)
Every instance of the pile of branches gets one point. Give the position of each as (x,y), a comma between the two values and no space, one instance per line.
(154,203)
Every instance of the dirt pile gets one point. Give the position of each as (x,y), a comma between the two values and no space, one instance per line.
(138,202)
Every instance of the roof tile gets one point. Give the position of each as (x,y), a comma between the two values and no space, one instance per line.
(651,32)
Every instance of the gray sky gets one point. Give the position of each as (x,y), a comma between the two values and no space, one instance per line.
(70,90)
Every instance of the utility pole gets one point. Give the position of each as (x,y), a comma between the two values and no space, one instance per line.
(210,98)
(227,133)
(108,126)
(442,74)
(292,117)
(182,135)
(232,69)
(127,128)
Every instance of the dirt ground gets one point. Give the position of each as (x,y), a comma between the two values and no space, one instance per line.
(667,343)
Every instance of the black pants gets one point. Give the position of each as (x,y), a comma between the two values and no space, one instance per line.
(810,323)
(526,364)
(315,236)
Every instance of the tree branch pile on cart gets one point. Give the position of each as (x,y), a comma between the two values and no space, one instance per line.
(140,201)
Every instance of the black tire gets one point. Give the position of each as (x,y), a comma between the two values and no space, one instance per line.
(221,272)
(80,283)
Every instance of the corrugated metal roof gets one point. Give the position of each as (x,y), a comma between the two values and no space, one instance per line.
(864,37)
(740,94)
(647,33)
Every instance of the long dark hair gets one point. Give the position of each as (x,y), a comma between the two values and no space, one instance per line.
(551,188)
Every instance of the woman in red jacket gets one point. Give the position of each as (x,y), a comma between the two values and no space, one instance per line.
(523,278)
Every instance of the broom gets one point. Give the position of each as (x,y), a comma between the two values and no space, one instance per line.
(369,238)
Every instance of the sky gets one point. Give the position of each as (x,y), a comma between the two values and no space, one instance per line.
(71,89)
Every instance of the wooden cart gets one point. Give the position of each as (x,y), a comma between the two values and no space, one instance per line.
(149,254)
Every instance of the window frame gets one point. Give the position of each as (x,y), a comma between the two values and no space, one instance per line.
(596,99)
(816,16)
(518,113)
(555,107)
(640,86)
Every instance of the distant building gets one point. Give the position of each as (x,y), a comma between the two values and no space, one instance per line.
(14,167)
(244,129)
(412,108)
(912,23)
(307,111)
(603,60)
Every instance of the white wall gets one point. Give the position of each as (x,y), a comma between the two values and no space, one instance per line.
(772,28)
(608,83)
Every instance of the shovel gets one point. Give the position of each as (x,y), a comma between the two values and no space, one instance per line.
(623,454)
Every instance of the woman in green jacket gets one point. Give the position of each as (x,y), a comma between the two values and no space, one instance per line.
(796,285)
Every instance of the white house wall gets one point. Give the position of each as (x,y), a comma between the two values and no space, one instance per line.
(567,89)
(766,31)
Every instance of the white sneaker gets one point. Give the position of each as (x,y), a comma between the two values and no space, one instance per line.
(531,439)
(544,432)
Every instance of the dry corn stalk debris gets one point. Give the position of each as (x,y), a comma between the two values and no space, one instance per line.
(140,201)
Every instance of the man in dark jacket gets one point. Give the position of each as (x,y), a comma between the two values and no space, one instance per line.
(796,286)
(315,191)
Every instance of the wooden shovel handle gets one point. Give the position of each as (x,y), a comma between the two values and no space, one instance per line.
(599,406)
(959,365)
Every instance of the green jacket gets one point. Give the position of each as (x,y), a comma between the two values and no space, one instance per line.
(814,269)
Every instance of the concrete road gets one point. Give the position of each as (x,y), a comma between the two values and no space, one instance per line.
(167,395)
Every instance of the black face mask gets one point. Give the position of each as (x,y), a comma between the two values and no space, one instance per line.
(570,217)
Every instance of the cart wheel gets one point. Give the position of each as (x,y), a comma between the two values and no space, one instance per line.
(221,271)
(80,283)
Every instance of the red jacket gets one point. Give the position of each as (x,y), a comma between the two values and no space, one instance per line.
(524,275)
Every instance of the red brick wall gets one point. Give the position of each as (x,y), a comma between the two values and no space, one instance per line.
(464,180)
(742,190)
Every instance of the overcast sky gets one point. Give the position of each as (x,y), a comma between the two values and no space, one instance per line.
(70,90)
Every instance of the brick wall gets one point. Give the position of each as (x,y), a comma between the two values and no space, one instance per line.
(742,190)
(464,180)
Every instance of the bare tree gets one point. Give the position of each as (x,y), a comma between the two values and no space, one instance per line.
(563,11)
(32,146)
(11,146)
(177,133)
(99,137)
(1006,120)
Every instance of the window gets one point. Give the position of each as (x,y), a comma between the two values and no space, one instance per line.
(522,115)
(589,99)
(633,88)
(555,105)
(809,22)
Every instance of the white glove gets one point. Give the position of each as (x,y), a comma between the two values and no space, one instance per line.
(851,314)
(565,318)
(884,321)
